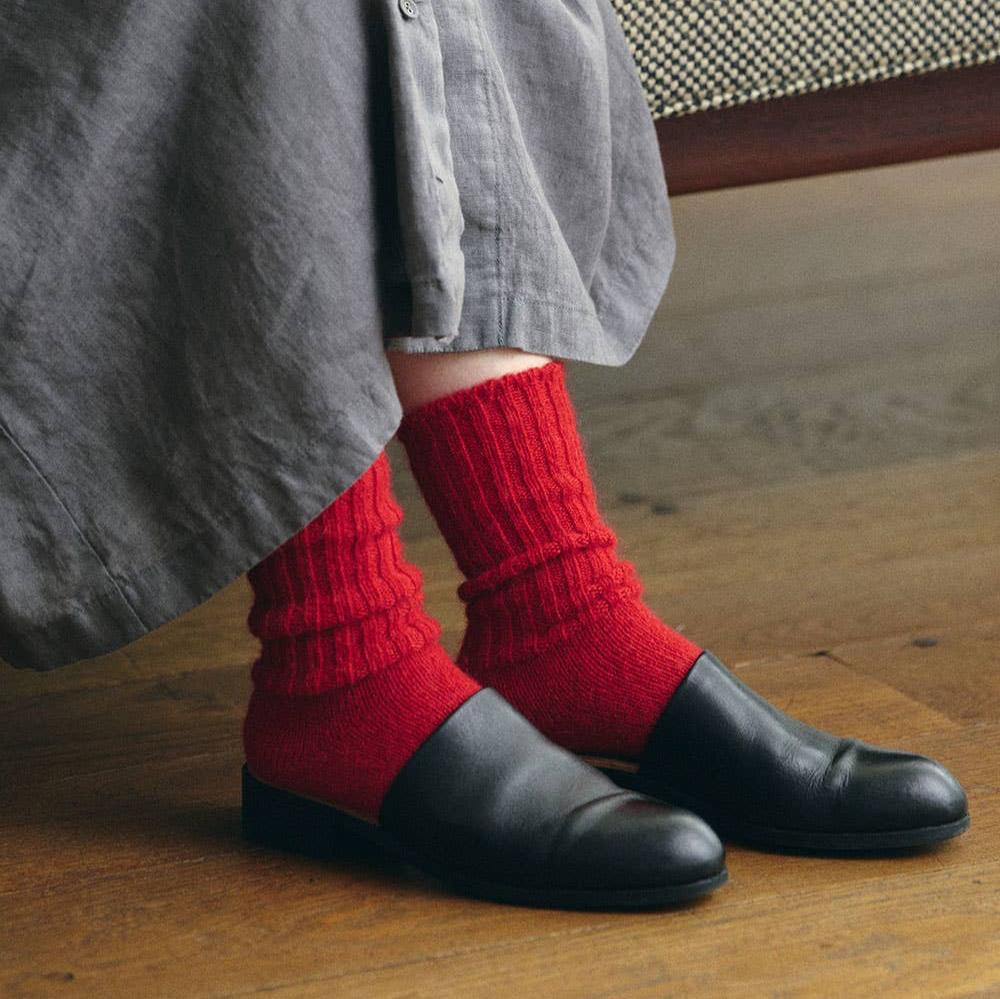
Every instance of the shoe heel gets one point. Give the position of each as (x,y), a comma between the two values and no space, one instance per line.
(280,819)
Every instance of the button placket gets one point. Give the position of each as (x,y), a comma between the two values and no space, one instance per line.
(429,208)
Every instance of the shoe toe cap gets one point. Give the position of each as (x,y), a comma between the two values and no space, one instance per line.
(907,791)
(934,796)
(631,840)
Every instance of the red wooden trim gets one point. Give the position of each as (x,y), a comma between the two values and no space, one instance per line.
(892,121)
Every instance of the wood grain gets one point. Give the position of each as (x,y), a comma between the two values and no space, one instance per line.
(852,578)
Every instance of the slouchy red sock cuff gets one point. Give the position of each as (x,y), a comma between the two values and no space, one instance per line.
(555,617)
(503,470)
(351,678)
(338,600)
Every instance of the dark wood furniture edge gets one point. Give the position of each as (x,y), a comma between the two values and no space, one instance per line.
(873,124)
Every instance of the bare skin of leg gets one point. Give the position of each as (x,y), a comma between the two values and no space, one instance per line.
(421,378)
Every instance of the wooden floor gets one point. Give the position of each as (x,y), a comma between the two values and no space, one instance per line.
(803,460)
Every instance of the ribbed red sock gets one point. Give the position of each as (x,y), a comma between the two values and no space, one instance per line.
(556,621)
(352,676)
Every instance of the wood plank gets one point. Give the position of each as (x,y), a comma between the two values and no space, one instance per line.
(848,128)
(848,234)
(147,850)
(801,566)
(900,940)
(312,925)
(776,355)
(144,789)
(954,672)
(746,433)
(100,729)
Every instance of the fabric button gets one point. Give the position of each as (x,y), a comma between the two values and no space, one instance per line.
(408,7)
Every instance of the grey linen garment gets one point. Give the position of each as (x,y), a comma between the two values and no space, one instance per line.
(216,215)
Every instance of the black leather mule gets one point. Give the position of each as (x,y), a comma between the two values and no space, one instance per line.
(763,778)
(491,807)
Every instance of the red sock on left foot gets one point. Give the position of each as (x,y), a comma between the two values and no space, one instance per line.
(556,622)
(351,676)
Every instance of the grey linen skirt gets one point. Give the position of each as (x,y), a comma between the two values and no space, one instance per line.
(217,215)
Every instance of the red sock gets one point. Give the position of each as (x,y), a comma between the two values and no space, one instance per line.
(556,622)
(352,676)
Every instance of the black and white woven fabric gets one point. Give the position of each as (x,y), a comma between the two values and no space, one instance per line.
(693,56)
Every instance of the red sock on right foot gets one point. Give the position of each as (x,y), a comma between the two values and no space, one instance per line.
(556,622)
(352,677)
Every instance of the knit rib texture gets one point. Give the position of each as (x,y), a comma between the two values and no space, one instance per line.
(351,676)
(338,600)
(555,618)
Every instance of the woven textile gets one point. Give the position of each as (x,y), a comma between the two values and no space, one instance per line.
(701,55)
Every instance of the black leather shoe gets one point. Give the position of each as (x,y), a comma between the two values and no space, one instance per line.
(763,778)
(491,807)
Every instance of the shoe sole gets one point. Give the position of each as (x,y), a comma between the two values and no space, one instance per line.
(277,818)
(751,834)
